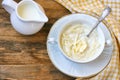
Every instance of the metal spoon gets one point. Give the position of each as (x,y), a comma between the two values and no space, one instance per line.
(105,13)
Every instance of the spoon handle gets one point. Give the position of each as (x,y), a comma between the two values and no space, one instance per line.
(105,13)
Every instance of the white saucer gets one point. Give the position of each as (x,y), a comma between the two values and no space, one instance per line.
(76,69)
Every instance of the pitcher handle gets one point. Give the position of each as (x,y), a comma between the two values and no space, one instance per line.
(9,5)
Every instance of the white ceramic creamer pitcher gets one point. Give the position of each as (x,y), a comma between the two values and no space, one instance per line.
(27,17)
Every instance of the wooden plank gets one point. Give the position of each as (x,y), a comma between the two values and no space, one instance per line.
(32,72)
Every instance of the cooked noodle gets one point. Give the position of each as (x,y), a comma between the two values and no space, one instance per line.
(76,45)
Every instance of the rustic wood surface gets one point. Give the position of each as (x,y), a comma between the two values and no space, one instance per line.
(25,57)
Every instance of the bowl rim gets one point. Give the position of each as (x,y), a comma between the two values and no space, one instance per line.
(59,35)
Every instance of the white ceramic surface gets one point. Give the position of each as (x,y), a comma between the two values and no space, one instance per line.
(82,19)
(77,69)
(23,26)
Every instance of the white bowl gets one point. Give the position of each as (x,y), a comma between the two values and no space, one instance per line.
(71,68)
(82,19)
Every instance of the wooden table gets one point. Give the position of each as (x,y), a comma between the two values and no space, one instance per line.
(25,57)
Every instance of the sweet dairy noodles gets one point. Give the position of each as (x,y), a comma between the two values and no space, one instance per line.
(28,12)
(76,44)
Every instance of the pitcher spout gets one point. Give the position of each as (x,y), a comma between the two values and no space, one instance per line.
(42,17)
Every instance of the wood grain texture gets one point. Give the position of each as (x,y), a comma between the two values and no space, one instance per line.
(25,57)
